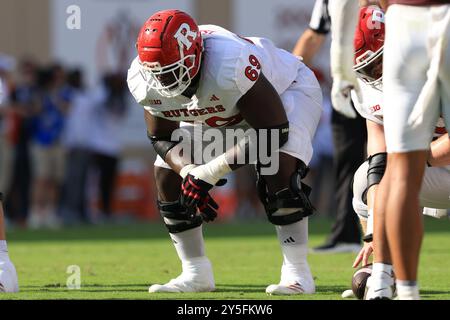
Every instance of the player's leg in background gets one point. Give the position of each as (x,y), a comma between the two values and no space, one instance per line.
(349,137)
(186,235)
(292,232)
(108,166)
(8,275)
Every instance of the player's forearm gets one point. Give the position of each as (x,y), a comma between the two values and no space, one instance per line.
(371,193)
(308,45)
(376,142)
(439,155)
(214,170)
(176,159)
(363,225)
(248,150)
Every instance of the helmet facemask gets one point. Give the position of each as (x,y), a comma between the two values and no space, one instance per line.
(369,68)
(171,80)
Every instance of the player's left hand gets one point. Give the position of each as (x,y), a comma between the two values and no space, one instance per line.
(208,209)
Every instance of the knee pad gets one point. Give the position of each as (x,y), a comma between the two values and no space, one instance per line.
(288,205)
(178,218)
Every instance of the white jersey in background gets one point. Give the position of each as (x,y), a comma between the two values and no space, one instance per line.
(370,106)
(436,183)
(230,66)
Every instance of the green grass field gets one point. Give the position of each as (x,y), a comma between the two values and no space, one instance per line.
(120,262)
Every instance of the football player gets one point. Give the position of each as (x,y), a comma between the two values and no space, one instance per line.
(434,194)
(416,77)
(189,77)
(8,275)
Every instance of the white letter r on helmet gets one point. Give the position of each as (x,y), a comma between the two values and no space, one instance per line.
(183,37)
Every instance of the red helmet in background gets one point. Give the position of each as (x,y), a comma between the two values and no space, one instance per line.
(170,46)
(369,42)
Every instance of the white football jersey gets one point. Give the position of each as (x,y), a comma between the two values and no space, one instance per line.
(369,105)
(230,66)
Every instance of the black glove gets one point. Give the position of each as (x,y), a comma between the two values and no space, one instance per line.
(194,191)
(195,195)
(208,209)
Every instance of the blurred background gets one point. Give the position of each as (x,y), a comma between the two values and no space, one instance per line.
(73,144)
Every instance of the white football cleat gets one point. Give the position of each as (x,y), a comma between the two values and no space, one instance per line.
(303,284)
(196,277)
(380,287)
(8,277)
(287,289)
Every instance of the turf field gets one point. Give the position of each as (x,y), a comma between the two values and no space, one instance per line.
(120,262)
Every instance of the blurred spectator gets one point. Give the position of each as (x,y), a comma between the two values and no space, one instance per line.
(24,100)
(78,131)
(105,142)
(7,64)
(48,154)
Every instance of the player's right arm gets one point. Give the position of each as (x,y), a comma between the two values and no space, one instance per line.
(312,39)
(308,45)
(376,145)
(159,131)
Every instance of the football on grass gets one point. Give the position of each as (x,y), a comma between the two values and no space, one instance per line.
(359,280)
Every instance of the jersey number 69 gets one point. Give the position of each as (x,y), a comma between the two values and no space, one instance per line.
(251,72)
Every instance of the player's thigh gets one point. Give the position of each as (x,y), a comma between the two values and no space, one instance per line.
(435,190)
(302,102)
(410,80)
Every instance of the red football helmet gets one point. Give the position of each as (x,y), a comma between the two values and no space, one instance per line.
(170,47)
(368,42)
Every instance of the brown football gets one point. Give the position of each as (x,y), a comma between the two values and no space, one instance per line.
(359,280)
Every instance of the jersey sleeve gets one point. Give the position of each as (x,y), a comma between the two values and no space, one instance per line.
(248,69)
(242,71)
(368,102)
(320,19)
